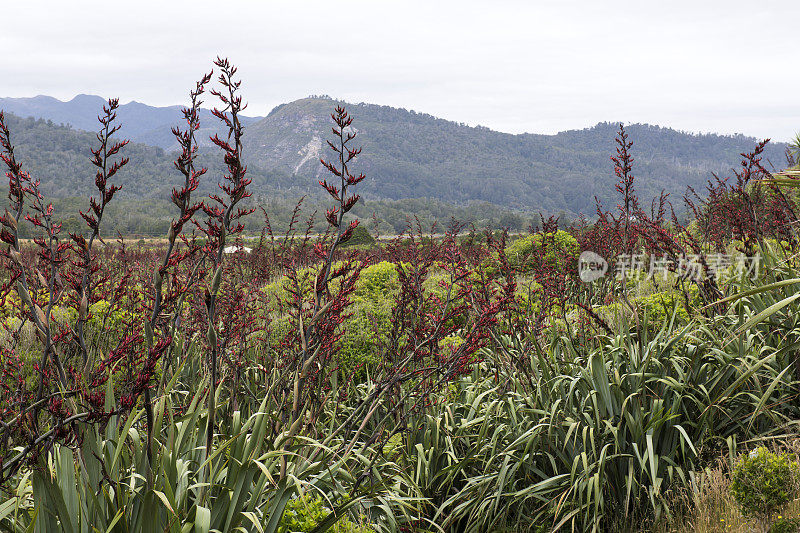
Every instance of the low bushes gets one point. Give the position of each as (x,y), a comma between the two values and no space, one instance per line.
(763,483)
(557,248)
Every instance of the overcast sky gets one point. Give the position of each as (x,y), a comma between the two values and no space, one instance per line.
(515,66)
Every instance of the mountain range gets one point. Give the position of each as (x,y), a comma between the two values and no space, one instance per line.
(143,123)
(405,155)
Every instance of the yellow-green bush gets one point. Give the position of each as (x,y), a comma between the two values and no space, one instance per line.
(763,482)
(560,249)
(527,297)
(370,316)
(377,280)
(370,312)
(655,309)
(659,306)
(305,512)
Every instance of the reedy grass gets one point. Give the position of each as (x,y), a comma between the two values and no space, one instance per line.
(577,439)
(100,486)
(623,433)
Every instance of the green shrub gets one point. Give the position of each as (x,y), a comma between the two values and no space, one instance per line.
(528,297)
(437,284)
(376,281)
(305,512)
(368,324)
(361,237)
(106,318)
(785,525)
(655,309)
(451,342)
(560,249)
(369,319)
(302,514)
(278,329)
(660,306)
(763,482)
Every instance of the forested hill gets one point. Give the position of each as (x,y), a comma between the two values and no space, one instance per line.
(408,154)
(143,123)
(58,156)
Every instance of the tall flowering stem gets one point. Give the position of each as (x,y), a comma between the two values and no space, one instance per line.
(160,329)
(37,291)
(182,198)
(745,208)
(224,213)
(623,169)
(21,280)
(320,327)
(343,135)
(107,167)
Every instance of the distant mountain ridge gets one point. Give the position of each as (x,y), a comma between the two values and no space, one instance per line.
(414,155)
(142,123)
(407,154)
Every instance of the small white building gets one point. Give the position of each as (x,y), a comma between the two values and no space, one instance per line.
(232,249)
